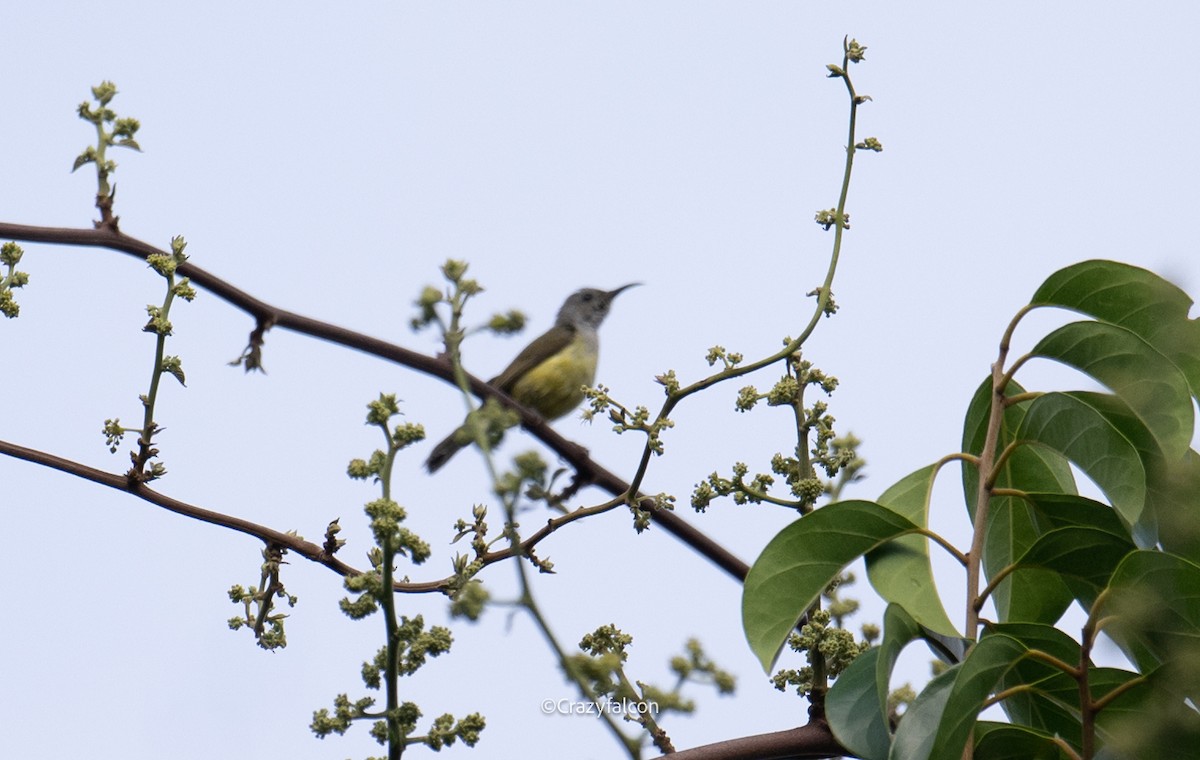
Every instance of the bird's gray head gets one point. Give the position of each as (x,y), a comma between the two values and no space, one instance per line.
(588,307)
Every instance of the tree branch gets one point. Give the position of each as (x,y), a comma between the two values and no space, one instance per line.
(295,544)
(807,742)
(267,316)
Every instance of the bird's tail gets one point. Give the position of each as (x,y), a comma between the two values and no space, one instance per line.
(442,453)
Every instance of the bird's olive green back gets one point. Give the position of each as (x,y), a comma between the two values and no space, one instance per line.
(548,344)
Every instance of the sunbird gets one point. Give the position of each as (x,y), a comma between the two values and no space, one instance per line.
(549,374)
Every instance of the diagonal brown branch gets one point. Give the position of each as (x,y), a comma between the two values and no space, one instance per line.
(306,549)
(267,316)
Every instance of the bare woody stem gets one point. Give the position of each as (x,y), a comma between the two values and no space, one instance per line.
(267,316)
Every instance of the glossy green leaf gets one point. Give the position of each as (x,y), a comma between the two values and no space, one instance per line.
(899,630)
(915,736)
(1044,470)
(938,724)
(1154,600)
(1053,510)
(856,714)
(1136,299)
(1058,510)
(1072,425)
(1175,499)
(856,705)
(1151,719)
(1004,741)
(1011,527)
(900,570)
(802,560)
(1145,530)
(1053,705)
(1149,383)
(1172,488)
(1034,596)
(1088,554)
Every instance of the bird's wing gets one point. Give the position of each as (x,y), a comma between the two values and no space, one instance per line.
(550,343)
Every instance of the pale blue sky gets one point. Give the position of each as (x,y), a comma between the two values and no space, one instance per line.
(329,158)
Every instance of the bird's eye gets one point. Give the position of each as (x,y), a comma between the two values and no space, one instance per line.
(587,297)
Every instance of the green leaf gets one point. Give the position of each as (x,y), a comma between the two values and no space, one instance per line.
(1149,383)
(1011,525)
(1050,702)
(1044,470)
(938,724)
(1058,510)
(856,714)
(1156,311)
(899,629)
(856,705)
(1076,427)
(900,570)
(1175,498)
(1154,600)
(1135,299)
(1004,741)
(1088,554)
(802,560)
(1030,596)
(1052,705)
(1159,473)
(1063,511)
(1151,719)
(1125,295)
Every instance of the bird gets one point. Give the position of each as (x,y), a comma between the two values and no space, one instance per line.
(549,374)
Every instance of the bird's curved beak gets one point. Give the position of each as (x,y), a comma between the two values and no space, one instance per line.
(610,295)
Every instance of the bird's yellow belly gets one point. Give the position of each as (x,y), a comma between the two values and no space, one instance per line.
(555,386)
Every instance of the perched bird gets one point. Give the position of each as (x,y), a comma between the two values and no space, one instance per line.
(549,374)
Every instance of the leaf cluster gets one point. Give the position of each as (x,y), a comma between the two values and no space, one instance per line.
(1129,560)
